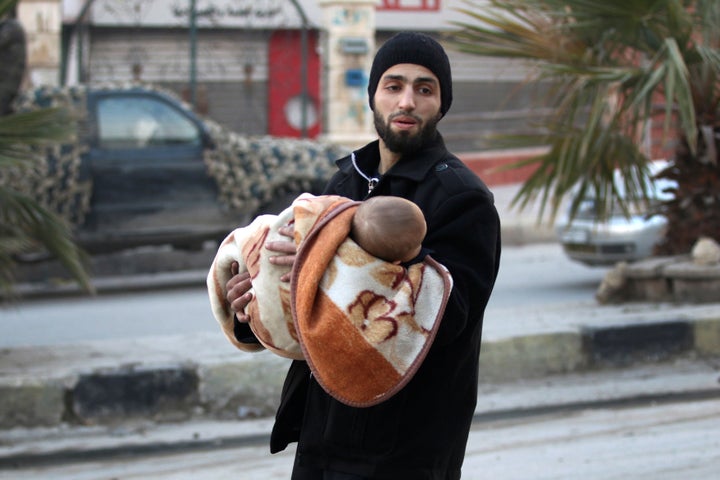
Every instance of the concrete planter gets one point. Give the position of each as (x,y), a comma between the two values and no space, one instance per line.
(664,279)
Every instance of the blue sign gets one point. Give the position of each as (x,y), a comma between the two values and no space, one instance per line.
(354,77)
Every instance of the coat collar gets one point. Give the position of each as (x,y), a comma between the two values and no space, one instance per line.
(415,167)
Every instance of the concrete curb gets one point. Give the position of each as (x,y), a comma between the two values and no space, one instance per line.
(249,387)
(685,380)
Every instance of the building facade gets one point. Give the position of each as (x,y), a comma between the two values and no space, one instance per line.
(282,67)
(41,20)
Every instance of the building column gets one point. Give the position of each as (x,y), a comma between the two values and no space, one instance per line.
(42,20)
(348,49)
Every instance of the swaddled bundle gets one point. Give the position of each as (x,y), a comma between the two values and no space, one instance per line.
(363,324)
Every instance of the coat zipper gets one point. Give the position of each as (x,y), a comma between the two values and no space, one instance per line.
(372,181)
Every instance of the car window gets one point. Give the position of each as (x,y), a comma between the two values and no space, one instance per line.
(138,122)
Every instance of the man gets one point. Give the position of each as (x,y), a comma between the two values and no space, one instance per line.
(421,432)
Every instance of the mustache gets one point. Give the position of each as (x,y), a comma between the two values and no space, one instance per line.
(402,113)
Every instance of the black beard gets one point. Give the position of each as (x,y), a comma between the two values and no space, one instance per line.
(404,142)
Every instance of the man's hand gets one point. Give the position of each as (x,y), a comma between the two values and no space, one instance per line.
(239,285)
(238,292)
(287,248)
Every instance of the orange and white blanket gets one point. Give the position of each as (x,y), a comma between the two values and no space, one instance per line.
(364,325)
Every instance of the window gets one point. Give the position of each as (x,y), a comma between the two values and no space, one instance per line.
(137,122)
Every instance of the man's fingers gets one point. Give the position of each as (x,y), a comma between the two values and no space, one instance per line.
(236,279)
(238,306)
(286,251)
(285,260)
(281,247)
(284,246)
(287,230)
(238,294)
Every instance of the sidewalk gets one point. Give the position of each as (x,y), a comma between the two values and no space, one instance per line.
(175,378)
(173,382)
(667,382)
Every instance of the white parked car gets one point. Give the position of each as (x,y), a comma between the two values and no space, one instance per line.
(619,238)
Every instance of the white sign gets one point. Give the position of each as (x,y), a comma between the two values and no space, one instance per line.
(208,13)
(431,15)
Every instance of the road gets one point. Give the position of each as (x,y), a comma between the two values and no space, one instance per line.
(674,441)
(534,275)
(664,441)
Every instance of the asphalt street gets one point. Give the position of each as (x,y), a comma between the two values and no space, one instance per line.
(534,275)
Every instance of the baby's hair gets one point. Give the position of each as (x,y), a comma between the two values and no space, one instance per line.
(391,228)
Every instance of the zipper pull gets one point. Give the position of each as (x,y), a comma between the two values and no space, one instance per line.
(372,183)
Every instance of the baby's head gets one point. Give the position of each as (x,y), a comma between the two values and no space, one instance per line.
(390,228)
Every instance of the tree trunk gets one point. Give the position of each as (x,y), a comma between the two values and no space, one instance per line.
(695,210)
(13,58)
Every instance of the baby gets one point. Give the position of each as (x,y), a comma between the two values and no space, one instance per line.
(389,228)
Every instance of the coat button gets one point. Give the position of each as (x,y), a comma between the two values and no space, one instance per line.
(441,167)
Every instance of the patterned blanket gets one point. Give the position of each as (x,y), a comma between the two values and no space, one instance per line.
(364,325)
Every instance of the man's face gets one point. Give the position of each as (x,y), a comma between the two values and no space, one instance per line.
(407,107)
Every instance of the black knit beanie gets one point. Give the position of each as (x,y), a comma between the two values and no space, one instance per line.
(418,49)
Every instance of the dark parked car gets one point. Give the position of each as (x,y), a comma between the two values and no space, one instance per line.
(147,170)
(619,238)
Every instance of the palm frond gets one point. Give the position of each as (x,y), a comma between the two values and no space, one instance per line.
(34,128)
(6,6)
(24,225)
(678,91)
(610,62)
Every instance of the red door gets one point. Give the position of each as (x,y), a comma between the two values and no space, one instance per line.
(285,85)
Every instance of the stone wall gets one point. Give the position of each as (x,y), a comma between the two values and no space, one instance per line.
(693,278)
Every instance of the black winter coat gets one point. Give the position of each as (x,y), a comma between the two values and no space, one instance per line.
(422,431)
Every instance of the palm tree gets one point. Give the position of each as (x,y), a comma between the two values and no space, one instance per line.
(26,225)
(610,64)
